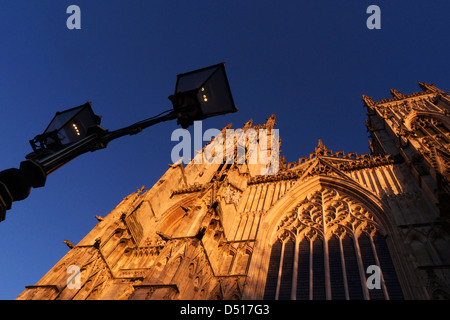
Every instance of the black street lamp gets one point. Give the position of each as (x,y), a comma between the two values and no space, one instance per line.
(199,94)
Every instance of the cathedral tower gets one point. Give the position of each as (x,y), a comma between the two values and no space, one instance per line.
(332,225)
(415,128)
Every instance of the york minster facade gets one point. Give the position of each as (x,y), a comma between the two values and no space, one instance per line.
(312,231)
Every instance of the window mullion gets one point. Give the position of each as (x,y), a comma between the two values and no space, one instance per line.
(295,271)
(311,268)
(361,268)
(344,271)
(383,284)
(280,271)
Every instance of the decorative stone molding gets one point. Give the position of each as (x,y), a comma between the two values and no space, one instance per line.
(326,212)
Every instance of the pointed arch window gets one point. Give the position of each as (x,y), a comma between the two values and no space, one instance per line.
(322,250)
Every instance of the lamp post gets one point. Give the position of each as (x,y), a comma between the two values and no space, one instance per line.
(199,94)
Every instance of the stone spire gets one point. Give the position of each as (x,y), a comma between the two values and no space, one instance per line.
(367,100)
(271,121)
(320,150)
(429,87)
(396,94)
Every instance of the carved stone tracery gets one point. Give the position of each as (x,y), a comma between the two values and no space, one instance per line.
(326,212)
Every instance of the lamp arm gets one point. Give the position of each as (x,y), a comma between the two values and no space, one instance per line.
(98,138)
(134,128)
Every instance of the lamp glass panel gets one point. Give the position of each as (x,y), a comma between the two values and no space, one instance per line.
(61,119)
(72,125)
(215,95)
(193,80)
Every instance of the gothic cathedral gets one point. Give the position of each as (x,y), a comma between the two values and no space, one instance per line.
(332,225)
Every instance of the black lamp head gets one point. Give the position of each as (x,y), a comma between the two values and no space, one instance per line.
(201,94)
(66,127)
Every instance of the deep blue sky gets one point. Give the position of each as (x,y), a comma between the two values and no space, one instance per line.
(308,62)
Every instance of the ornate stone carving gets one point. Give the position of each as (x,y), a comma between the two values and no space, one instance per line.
(232,195)
(326,212)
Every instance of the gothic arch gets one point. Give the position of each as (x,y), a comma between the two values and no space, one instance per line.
(216,292)
(174,214)
(227,260)
(418,115)
(421,252)
(440,294)
(346,187)
(325,212)
(440,241)
(357,212)
(243,257)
